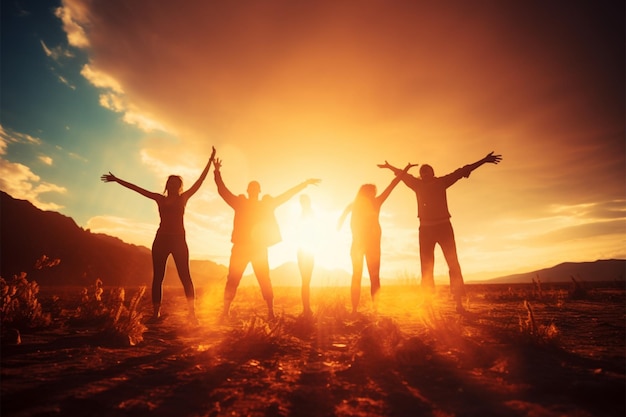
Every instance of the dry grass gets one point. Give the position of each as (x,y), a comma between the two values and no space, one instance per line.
(412,356)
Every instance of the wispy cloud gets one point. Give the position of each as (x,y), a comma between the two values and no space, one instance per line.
(19,180)
(57,52)
(100,79)
(114,99)
(64,80)
(45,159)
(73,14)
(10,136)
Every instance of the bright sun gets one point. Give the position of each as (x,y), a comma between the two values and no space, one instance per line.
(318,235)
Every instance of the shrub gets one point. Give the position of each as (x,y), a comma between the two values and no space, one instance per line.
(118,323)
(535,332)
(20,307)
(257,338)
(92,309)
(124,323)
(379,340)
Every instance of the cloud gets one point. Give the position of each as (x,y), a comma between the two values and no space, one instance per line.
(57,52)
(45,159)
(100,79)
(18,180)
(64,80)
(114,99)
(72,14)
(10,136)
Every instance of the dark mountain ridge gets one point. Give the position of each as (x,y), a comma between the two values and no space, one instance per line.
(600,270)
(53,250)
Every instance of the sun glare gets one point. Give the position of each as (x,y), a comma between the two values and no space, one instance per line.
(317,235)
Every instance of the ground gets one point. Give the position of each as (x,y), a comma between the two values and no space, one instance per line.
(516,352)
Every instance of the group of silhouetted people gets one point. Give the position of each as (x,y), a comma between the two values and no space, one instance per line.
(255,229)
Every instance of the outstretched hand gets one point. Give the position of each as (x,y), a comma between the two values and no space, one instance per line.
(312,181)
(212,154)
(385,165)
(217,163)
(493,159)
(391,167)
(108,177)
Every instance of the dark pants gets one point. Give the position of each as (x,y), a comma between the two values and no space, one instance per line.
(443,235)
(240,256)
(163,246)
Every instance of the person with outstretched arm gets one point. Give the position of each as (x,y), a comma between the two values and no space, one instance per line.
(255,229)
(435,227)
(366,236)
(170,236)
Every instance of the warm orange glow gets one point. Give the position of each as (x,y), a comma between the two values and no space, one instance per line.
(318,235)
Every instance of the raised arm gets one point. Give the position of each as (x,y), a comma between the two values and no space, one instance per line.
(224,192)
(387,165)
(402,174)
(383,196)
(490,158)
(196,185)
(112,178)
(284,197)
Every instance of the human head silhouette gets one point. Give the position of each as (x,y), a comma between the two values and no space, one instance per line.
(427,172)
(367,191)
(254,189)
(174,185)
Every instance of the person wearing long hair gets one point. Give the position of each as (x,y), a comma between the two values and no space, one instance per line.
(170,236)
(366,236)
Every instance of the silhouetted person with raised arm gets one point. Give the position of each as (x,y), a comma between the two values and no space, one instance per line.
(366,235)
(255,229)
(170,237)
(435,227)
(306,257)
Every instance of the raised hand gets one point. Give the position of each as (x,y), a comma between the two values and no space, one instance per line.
(108,177)
(213,153)
(312,181)
(385,165)
(493,159)
(217,163)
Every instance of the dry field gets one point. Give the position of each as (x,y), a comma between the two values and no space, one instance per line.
(517,352)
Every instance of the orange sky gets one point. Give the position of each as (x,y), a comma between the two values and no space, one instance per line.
(289,90)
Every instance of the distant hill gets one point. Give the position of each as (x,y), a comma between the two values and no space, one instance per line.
(601,270)
(53,250)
